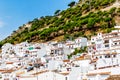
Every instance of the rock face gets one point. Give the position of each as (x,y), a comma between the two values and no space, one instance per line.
(114,77)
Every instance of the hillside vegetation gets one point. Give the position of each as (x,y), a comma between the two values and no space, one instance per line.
(84,18)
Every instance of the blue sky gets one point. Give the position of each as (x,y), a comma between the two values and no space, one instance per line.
(14,13)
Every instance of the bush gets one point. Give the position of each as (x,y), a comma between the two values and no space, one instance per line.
(1,44)
(91,23)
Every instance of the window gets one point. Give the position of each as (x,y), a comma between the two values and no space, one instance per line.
(108,56)
(114,56)
(95,66)
(106,45)
(96,57)
(105,56)
(65,78)
(106,41)
(115,43)
(115,34)
(100,56)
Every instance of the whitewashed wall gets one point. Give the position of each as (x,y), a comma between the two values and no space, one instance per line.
(51,76)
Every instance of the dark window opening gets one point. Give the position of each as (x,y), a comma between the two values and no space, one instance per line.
(106,41)
(100,56)
(114,55)
(106,45)
(65,78)
(115,43)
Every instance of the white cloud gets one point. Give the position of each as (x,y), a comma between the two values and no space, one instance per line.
(2,24)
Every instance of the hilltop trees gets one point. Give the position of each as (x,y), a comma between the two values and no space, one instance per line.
(72,22)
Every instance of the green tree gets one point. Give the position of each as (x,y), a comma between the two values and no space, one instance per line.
(71,4)
(57,12)
(14,31)
(1,44)
(91,22)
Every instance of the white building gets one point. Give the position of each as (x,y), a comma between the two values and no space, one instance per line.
(7,48)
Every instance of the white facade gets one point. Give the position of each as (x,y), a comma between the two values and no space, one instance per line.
(101,42)
(80,42)
(7,48)
(52,76)
(45,76)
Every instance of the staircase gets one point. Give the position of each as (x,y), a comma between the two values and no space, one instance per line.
(114,77)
